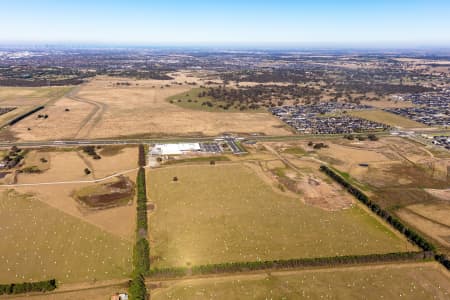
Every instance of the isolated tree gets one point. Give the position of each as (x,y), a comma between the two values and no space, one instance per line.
(372,137)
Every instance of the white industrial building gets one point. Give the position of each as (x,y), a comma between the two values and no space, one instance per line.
(175,149)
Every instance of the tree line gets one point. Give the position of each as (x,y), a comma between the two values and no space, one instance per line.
(235,267)
(26,287)
(142,160)
(23,116)
(141,249)
(413,236)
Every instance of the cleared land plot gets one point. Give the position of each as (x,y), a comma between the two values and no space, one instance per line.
(392,162)
(387,118)
(401,176)
(215,214)
(424,281)
(106,195)
(139,110)
(40,242)
(386,102)
(430,219)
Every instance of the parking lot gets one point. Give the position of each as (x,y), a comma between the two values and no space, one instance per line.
(210,147)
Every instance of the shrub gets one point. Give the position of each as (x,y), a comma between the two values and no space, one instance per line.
(137,288)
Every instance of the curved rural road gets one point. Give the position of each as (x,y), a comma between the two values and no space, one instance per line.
(94,116)
(69,182)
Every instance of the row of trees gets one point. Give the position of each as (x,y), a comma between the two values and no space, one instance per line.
(26,287)
(142,160)
(39,82)
(396,223)
(290,263)
(23,116)
(141,250)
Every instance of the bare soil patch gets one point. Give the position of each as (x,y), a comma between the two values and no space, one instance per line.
(441,194)
(106,195)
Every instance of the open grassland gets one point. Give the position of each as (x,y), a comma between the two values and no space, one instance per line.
(409,281)
(60,124)
(387,118)
(86,292)
(40,242)
(226,213)
(25,99)
(101,109)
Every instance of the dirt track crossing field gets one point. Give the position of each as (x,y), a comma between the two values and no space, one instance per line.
(408,281)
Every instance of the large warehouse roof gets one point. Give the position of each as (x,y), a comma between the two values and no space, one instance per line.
(173,149)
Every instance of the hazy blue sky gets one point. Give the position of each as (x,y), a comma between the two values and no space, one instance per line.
(412,22)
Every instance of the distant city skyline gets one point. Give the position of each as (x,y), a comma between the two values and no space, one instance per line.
(413,23)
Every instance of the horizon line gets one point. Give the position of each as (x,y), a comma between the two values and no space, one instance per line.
(376,45)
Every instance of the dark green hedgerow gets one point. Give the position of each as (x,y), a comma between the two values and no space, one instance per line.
(142,223)
(137,289)
(396,223)
(141,250)
(289,263)
(142,160)
(443,259)
(141,258)
(26,287)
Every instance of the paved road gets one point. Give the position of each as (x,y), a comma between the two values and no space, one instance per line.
(136,141)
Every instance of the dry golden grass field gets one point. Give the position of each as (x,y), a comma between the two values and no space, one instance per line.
(408,281)
(86,292)
(26,99)
(101,109)
(224,213)
(40,242)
